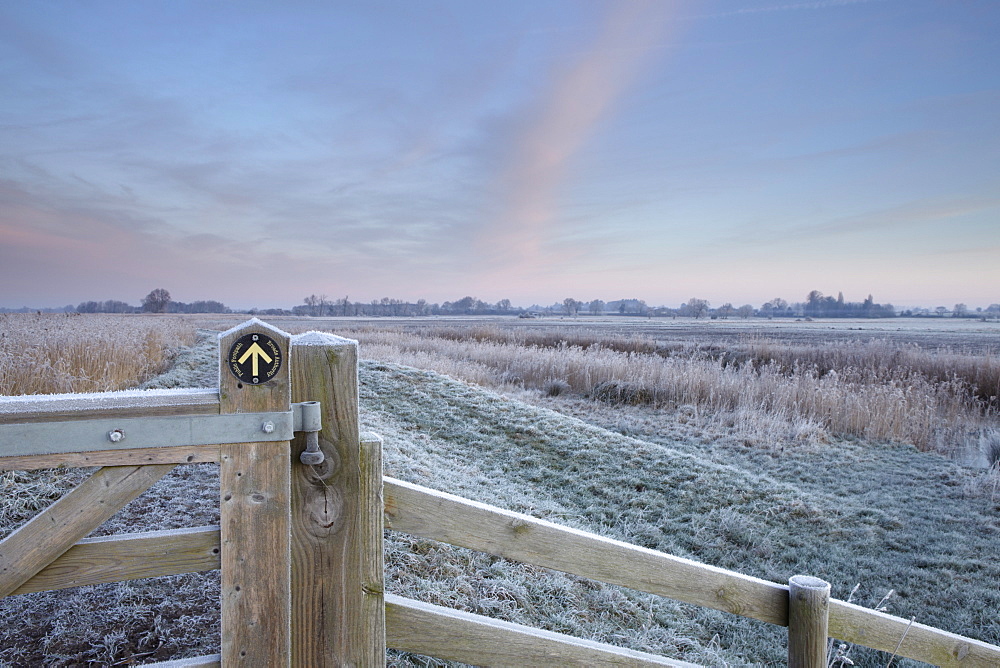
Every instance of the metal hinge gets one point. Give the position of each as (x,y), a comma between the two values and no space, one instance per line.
(46,438)
(310,422)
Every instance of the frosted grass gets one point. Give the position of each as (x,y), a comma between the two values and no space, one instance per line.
(875,391)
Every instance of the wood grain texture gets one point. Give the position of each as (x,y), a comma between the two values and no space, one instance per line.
(863,626)
(337,570)
(128,557)
(254,519)
(439,516)
(209,661)
(38,542)
(132,403)
(431,514)
(371,537)
(444,633)
(139,456)
(808,614)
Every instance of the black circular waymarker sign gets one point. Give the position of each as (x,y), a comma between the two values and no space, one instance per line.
(254,358)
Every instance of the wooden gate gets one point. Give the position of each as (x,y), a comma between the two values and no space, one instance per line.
(299,546)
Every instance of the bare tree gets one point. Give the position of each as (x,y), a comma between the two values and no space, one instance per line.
(597,307)
(776,306)
(156,301)
(814,302)
(312,301)
(697,307)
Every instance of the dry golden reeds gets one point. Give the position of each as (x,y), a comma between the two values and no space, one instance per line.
(56,353)
(876,390)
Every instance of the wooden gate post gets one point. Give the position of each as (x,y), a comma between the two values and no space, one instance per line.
(254,508)
(808,621)
(338,606)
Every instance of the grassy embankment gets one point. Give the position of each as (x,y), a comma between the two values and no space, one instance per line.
(684,480)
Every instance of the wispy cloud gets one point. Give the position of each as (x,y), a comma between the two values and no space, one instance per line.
(581,95)
(785,7)
(907,223)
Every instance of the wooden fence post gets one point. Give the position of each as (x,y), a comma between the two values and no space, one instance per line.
(338,606)
(808,621)
(254,507)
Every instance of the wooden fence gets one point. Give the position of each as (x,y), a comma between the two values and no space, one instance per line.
(300,546)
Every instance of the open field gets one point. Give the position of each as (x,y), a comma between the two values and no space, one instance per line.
(958,334)
(756,490)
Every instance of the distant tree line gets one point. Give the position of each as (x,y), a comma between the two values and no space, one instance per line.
(816,305)
(157,301)
(109,306)
(322,305)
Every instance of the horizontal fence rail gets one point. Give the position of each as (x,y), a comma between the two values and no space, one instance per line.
(451,519)
(165,431)
(126,403)
(450,634)
(129,557)
(454,635)
(209,661)
(135,404)
(427,513)
(46,438)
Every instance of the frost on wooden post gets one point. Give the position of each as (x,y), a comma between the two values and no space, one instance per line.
(314,338)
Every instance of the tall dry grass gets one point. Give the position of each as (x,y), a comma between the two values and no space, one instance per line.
(979,373)
(883,358)
(876,390)
(55,353)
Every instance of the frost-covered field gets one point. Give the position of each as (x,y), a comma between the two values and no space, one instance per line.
(749,490)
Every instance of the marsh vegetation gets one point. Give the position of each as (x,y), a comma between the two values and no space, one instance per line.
(59,353)
(940,399)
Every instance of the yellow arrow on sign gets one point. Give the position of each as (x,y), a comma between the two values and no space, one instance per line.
(254,352)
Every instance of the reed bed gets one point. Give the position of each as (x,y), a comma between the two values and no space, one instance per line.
(980,373)
(873,390)
(551,337)
(941,364)
(57,353)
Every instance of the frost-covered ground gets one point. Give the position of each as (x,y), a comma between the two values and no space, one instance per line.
(768,501)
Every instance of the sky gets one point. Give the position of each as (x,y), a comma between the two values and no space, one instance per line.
(255,153)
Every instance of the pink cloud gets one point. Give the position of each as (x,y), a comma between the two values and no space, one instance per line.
(580,97)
